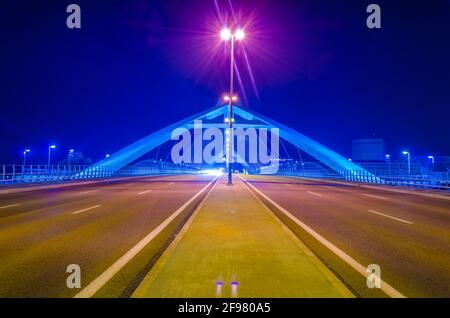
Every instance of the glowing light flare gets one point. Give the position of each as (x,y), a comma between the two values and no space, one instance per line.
(227,120)
(227,98)
(199,37)
(239,35)
(212,172)
(225,34)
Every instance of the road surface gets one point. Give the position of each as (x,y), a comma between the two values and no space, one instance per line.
(407,235)
(42,232)
(96,225)
(234,241)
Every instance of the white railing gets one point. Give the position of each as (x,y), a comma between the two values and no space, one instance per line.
(361,176)
(13,174)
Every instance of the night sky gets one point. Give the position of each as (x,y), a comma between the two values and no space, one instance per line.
(139,65)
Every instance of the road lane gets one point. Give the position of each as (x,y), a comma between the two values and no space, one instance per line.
(97,284)
(413,257)
(53,198)
(36,247)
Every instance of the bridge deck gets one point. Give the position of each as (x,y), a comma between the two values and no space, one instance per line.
(233,237)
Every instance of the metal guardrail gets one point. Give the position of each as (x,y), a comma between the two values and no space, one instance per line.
(367,177)
(13,174)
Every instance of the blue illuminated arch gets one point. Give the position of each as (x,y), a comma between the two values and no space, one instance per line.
(136,150)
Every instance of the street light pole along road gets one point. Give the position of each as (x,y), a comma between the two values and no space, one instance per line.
(227,35)
(25,156)
(408,154)
(70,154)
(49,155)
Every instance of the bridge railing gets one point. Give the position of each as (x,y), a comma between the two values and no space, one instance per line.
(13,174)
(438,181)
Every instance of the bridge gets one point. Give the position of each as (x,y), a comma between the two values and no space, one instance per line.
(133,226)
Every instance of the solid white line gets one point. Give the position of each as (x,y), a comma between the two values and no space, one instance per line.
(388,289)
(87,209)
(144,192)
(86,192)
(391,217)
(8,206)
(375,196)
(314,193)
(109,273)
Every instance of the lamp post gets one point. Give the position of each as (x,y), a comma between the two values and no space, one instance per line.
(25,156)
(70,154)
(227,35)
(388,160)
(49,155)
(408,154)
(432,162)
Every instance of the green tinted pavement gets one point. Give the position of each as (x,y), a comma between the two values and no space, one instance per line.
(234,238)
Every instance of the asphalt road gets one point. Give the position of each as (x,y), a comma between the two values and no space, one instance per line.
(93,225)
(43,231)
(407,235)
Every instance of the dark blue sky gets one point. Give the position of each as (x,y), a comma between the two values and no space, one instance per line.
(120,78)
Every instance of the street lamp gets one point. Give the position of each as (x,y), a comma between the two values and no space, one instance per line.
(388,160)
(227,98)
(49,154)
(406,153)
(227,35)
(107,156)
(432,161)
(25,156)
(71,151)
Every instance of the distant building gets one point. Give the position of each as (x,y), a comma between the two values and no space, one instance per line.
(371,150)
